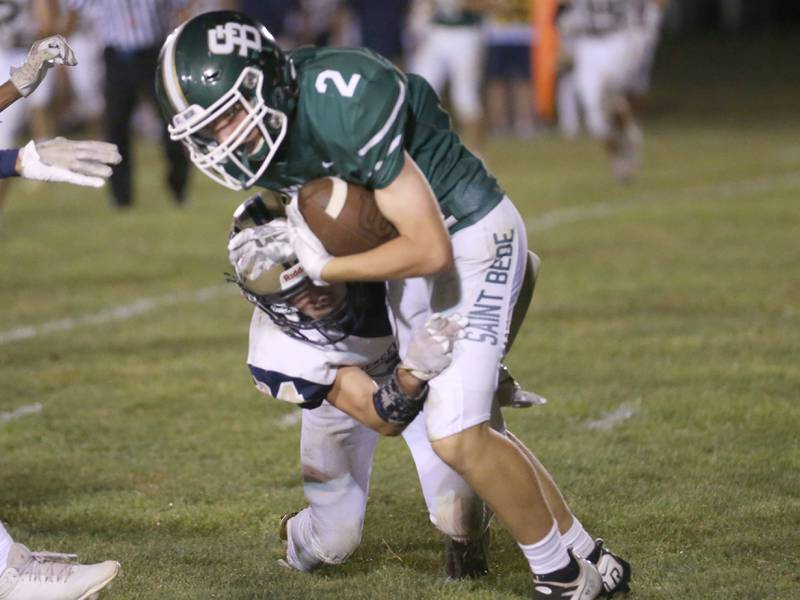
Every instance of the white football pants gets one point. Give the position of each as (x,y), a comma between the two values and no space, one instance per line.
(336,454)
(5,546)
(489,266)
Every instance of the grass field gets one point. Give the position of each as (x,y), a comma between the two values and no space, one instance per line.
(665,332)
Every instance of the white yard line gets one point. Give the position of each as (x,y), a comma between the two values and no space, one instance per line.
(717,191)
(610,420)
(121,312)
(22,411)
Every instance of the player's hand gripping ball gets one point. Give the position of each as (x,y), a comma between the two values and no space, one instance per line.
(344,216)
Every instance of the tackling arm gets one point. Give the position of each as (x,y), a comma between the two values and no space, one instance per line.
(423,246)
(8,95)
(389,409)
(354,393)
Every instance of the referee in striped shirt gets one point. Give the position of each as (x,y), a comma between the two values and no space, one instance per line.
(132,32)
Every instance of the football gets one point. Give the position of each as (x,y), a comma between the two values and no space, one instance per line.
(344,216)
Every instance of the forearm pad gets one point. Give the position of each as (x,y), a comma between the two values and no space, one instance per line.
(396,407)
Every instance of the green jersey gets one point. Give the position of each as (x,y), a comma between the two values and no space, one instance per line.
(356,114)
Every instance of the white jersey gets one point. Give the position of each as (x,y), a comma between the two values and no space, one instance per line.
(18,26)
(303,373)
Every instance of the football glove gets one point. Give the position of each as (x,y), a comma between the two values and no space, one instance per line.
(45,53)
(78,162)
(307,247)
(255,250)
(431,348)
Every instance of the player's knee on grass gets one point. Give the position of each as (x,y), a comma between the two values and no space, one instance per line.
(336,545)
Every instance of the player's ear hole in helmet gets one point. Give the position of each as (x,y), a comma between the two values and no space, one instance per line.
(284,289)
(227,92)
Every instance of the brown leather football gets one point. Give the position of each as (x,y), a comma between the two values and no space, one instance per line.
(344,216)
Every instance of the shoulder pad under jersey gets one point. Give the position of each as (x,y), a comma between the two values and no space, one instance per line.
(355,105)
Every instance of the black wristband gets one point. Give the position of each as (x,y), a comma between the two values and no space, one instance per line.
(395,406)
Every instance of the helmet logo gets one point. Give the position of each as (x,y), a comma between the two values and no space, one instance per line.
(227,38)
(288,276)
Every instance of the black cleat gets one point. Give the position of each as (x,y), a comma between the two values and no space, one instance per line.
(467,560)
(588,585)
(614,571)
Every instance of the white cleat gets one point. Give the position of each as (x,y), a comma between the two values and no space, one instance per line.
(50,576)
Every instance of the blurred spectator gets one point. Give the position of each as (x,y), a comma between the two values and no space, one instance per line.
(509,94)
(132,32)
(381,26)
(449,45)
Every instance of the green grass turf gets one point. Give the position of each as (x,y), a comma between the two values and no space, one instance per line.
(675,297)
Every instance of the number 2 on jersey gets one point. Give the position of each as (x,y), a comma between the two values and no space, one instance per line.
(345,89)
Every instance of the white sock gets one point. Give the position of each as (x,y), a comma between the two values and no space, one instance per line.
(577,539)
(548,554)
(5,547)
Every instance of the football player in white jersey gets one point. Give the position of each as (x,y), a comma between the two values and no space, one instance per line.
(322,347)
(613,43)
(301,338)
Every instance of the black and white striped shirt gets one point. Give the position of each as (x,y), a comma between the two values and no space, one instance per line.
(129,24)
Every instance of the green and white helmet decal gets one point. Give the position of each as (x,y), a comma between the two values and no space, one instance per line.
(227,91)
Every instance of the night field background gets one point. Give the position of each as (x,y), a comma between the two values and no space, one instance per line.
(665,332)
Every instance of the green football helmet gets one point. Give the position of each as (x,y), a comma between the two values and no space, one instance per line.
(212,68)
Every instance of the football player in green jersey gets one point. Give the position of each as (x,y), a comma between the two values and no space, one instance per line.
(251,114)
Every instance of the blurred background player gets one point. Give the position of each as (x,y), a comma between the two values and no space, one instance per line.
(26,575)
(84,86)
(509,94)
(132,32)
(610,41)
(449,50)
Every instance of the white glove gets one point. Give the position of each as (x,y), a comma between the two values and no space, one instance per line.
(45,53)
(307,247)
(255,250)
(431,349)
(79,162)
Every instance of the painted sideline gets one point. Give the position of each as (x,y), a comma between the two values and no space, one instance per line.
(121,312)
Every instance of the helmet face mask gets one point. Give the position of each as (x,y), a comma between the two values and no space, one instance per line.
(223,67)
(229,161)
(276,290)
